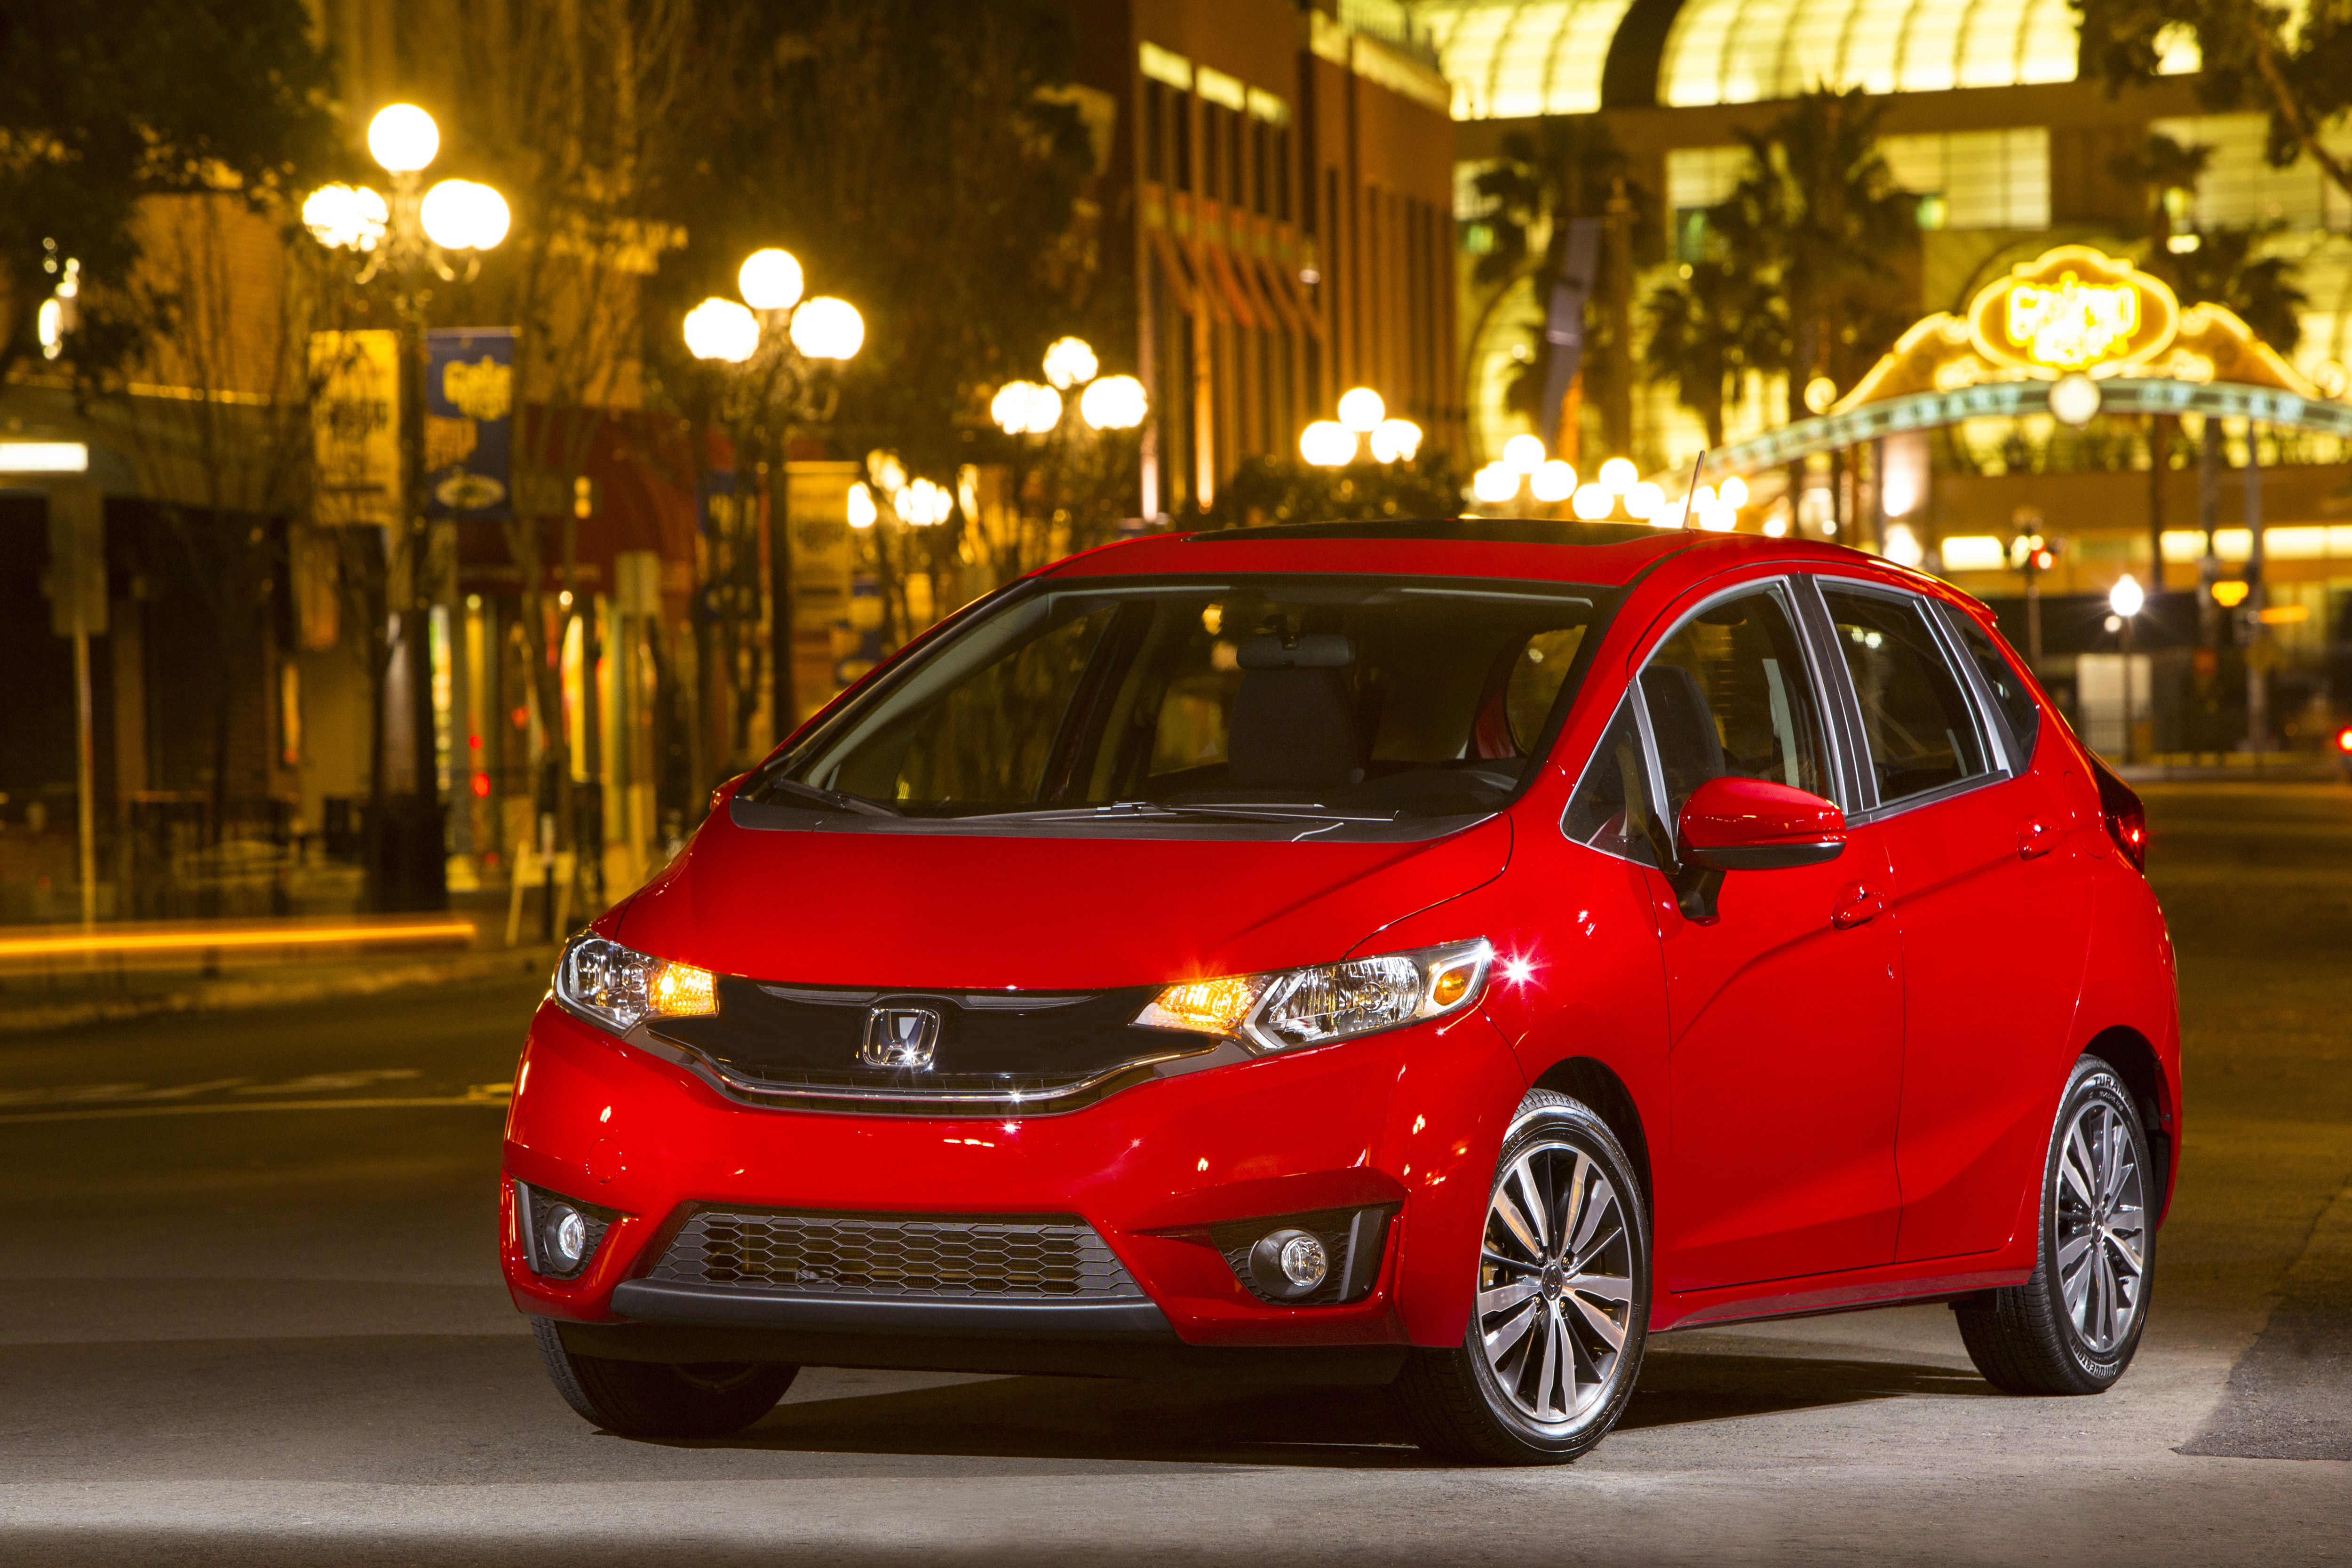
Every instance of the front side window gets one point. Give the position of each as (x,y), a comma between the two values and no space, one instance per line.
(1916,719)
(1350,694)
(1729,694)
(1610,809)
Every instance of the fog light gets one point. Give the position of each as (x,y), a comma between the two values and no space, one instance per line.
(568,1237)
(1289,1264)
(560,1235)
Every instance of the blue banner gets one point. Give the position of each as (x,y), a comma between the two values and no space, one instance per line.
(469,402)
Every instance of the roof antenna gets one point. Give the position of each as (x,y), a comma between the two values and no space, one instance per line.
(1696,464)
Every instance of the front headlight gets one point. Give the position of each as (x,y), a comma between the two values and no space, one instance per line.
(620,987)
(1327,1002)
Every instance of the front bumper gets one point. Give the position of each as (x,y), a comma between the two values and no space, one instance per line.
(1410,1121)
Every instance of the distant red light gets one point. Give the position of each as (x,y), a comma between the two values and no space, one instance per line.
(482,787)
(2343,739)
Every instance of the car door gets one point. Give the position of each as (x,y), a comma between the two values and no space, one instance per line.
(1785,1002)
(1993,939)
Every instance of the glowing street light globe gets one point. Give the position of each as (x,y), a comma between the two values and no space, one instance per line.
(461,215)
(722,329)
(1733,493)
(1496,483)
(1593,502)
(770,279)
(1328,443)
(346,218)
(1522,453)
(1025,408)
(1114,403)
(1068,361)
(862,510)
(2127,598)
(1618,474)
(1552,481)
(1361,410)
(827,328)
(1395,440)
(403,138)
(1643,502)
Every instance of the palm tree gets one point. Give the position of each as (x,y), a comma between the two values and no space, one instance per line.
(1571,169)
(1818,217)
(1708,331)
(2169,171)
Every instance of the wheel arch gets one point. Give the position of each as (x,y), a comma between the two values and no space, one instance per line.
(2134,1057)
(1593,1082)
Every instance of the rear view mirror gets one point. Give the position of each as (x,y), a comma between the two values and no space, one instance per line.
(1733,823)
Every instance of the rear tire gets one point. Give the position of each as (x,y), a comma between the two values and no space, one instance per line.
(656,1399)
(2073,1326)
(1561,1308)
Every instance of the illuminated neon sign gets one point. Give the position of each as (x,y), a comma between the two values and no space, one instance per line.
(2072,309)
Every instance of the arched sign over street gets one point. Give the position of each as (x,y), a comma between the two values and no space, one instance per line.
(2073,312)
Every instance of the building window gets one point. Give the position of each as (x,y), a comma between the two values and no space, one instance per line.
(1180,137)
(2240,187)
(1746,51)
(1976,179)
(1698,178)
(1155,131)
(1211,167)
(1234,192)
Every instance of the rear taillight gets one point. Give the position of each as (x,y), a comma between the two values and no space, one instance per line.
(2126,818)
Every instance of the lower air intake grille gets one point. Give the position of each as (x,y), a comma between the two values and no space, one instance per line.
(937,1258)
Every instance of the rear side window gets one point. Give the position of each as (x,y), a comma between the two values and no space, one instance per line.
(1610,809)
(2008,688)
(1916,719)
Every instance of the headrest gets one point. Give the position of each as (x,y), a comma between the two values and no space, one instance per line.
(1318,651)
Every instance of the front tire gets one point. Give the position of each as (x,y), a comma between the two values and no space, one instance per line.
(655,1399)
(1562,1306)
(2074,1325)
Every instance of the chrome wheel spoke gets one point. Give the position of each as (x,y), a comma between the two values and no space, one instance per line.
(1527,1232)
(1504,1297)
(1550,1373)
(2071,1250)
(1500,1341)
(2075,1166)
(1495,1259)
(1611,1334)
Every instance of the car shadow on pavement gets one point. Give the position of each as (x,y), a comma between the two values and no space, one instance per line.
(1344,1428)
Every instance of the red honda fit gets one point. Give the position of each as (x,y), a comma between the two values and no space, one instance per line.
(1441,953)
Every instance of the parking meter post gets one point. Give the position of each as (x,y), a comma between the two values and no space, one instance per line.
(77,590)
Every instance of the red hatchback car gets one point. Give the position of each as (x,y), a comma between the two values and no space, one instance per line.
(1433,953)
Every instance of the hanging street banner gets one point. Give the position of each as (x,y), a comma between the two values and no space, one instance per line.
(469,400)
(355,428)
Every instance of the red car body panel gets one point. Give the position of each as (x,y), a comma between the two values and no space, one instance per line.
(1829,1115)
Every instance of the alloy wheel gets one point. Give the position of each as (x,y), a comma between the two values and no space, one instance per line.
(1555,1285)
(2102,1223)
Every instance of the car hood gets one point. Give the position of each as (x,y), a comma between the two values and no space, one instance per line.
(951,912)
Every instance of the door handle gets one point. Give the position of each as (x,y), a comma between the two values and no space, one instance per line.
(2036,837)
(1860,906)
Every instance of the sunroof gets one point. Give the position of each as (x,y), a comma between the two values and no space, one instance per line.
(1501,530)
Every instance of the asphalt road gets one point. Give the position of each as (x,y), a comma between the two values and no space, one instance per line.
(250,1313)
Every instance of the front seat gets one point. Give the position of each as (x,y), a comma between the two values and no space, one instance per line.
(1293,719)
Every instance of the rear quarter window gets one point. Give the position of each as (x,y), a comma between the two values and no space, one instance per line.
(2010,692)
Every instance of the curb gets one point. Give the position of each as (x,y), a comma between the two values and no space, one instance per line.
(233,995)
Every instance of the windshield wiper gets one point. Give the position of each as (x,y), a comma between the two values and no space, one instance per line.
(838,799)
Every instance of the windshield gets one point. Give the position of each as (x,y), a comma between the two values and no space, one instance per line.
(1268,695)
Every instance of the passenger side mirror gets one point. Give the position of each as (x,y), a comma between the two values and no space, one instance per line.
(1733,823)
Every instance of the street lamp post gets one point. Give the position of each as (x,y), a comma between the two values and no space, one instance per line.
(764,345)
(419,234)
(2126,599)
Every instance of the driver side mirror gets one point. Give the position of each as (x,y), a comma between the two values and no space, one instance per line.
(1733,823)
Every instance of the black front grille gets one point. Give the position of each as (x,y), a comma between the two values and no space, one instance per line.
(782,1039)
(940,1257)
